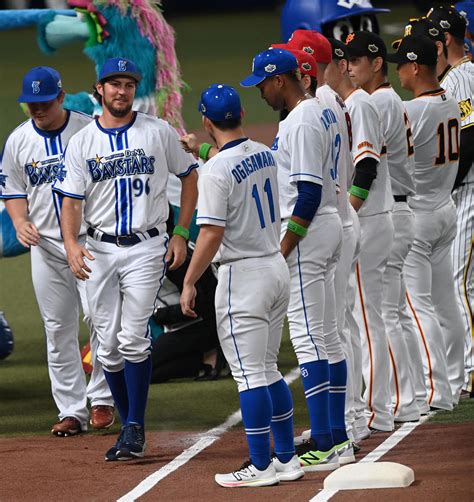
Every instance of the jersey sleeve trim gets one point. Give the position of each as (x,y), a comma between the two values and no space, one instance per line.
(13,196)
(307,174)
(366,152)
(67,194)
(467,126)
(209,220)
(188,171)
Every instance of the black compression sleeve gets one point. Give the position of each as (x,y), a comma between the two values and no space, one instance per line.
(466,155)
(365,173)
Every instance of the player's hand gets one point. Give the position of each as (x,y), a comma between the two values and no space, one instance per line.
(188,300)
(176,254)
(190,143)
(27,234)
(75,257)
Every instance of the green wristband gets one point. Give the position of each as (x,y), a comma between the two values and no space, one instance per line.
(297,228)
(361,193)
(181,231)
(204,150)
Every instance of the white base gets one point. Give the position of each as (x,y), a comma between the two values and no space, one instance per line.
(366,475)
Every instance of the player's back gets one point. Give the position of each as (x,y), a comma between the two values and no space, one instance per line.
(435,122)
(238,188)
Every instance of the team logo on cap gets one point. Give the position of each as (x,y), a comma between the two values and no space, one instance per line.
(373,48)
(270,68)
(445,24)
(228,115)
(412,56)
(408,29)
(203,108)
(35,86)
(350,38)
(122,65)
(308,49)
(339,52)
(60,84)
(306,66)
(433,32)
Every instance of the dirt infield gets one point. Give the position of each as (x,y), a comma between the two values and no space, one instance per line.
(73,469)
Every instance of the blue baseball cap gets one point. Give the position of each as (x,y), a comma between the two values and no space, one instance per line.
(269,63)
(220,102)
(119,67)
(40,84)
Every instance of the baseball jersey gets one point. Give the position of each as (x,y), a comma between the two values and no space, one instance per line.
(398,139)
(435,124)
(368,142)
(122,173)
(328,98)
(238,190)
(459,81)
(32,161)
(306,148)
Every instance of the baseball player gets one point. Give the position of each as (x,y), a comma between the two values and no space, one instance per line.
(117,168)
(306,149)
(374,206)
(32,160)
(435,120)
(368,69)
(240,227)
(453,79)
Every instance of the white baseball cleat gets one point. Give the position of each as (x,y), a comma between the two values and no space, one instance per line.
(305,436)
(289,471)
(248,475)
(345,452)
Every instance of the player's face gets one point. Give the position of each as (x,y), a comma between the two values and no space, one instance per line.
(405,73)
(332,74)
(118,95)
(360,71)
(270,92)
(47,115)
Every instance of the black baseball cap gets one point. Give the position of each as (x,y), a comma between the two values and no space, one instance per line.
(415,49)
(449,19)
(423,26)
(365,43)
(339,50)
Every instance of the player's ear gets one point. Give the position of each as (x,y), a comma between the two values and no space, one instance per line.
(377,64)
(99,88)
(61,97)
(242,113)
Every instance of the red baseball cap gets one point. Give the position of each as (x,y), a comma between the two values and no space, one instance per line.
(306,61)
(313,43)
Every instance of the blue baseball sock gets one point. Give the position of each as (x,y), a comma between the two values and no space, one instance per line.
(118,388)
(256,406)
(337,400)
(282,420)
(137,376)
(316,388)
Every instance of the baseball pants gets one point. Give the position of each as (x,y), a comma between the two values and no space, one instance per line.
(59,301)
(251,302)
(403,391)
(375,247)
(462,251)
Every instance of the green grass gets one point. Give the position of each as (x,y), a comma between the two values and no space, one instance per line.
(463,412)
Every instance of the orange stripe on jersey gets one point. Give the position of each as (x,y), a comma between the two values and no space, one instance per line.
(437,93)
(366,151)
(430,369)
(369,342)
(466,298)
(395,377)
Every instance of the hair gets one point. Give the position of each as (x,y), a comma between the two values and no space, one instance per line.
(227,125)
(293,75)
(96,95)
(458,41)
(313,86)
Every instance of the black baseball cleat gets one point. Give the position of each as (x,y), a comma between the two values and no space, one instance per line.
(132,444)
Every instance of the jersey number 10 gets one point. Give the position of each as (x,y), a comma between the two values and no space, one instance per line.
(267,187)
(452,142)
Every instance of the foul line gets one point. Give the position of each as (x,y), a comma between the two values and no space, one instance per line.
(205,440)
(383,448)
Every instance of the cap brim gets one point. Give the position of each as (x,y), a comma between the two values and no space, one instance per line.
(251,81)
(37,99)
(131,74)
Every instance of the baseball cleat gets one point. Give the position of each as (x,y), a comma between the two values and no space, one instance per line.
(345,452)
(68,426)
(305,436)
(132,444)
(289,471)
(102,416)
(111,454)
(311,459)
(248,475)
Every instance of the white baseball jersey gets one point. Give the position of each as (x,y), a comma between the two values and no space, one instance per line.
(368,142)
(345,167)
(32,161)
(306,148)
(398,139)
(435,121)
(122,173)
(238,189)
(459,81)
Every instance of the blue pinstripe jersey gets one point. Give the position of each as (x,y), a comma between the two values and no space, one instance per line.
(32,161)
(122,173)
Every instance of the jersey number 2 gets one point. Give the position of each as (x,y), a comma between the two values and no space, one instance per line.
(267,187)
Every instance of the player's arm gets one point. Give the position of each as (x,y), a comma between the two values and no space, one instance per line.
(365,173)
(207,245)
(307,203)
(466,154)
(204,151)
(26,232)
(71,218)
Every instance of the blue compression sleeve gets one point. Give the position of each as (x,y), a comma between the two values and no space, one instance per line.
(309,198)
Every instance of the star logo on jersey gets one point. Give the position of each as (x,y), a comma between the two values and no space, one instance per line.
(3,180)
(373,48)
(412,56)
(35,86)
(122,65)
(308,49)
(465,107)
(34,164)
(270,68)
(98,159)
(350,38)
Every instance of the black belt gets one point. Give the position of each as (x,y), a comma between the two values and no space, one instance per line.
(122,240)
(400,198)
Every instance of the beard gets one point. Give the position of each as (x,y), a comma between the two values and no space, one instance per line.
(115,111)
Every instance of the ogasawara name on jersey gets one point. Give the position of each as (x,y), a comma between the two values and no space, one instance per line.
(126,163)
(45,171)
(251,164)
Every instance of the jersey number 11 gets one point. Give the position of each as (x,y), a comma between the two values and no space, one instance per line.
(267,187)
